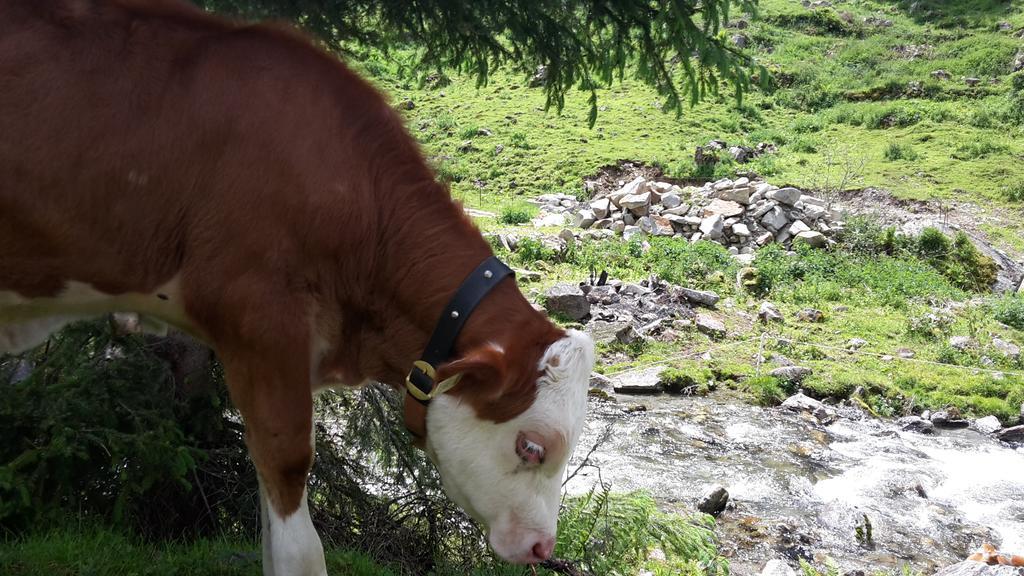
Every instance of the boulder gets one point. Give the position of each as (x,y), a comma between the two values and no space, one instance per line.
(630,231)
(802,403)
(774,219)
(662,226)
(987,425)
(740,229)
(810,315)
(585,218)
(714,502)
(1008,349)
(711,326)
(798,227)
(724,208)
(769,313)
(605,332)
(1013,434)
(777,568)
(788,196)
(601,207)
(671,200)
(637,186)
(916,424)
(567,300)
(961,342)
(856,343)
(712,226)
(636,203)
(944,419)
(812,238)
(600,381)
(794,374)
(738,195)
(703,298)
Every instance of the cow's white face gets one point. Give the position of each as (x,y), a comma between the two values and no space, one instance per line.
(509,476)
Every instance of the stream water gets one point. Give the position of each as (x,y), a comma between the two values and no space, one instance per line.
(800,489)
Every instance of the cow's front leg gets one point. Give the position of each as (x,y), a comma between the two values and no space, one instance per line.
(272,390)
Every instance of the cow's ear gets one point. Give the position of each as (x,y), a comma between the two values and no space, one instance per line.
(484,364)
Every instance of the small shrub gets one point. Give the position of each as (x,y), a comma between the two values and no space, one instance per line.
(1010,311)
(930,326)
(900,151)
(805,145)
(531,250)
(519,140)
(932,243)
(516,213)
(445,122)
(978,149)
(767,390)
(698,381)
(1014,192)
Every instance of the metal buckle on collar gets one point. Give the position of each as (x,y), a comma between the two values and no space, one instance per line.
(429,371)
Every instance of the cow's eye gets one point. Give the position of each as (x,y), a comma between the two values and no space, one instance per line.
(529,448)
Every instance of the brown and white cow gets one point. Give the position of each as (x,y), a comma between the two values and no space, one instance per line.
(242,185)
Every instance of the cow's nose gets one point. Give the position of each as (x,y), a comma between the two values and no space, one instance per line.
(544,548)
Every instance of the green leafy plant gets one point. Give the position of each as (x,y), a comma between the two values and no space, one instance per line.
(516,213)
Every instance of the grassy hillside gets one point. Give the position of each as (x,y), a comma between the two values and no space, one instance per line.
(853,82)
(854,87)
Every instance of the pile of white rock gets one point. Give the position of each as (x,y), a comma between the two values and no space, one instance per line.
(740,214)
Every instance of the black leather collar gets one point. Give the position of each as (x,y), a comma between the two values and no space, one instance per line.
(442,342)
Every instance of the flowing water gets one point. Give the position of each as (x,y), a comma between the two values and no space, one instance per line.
(801,489)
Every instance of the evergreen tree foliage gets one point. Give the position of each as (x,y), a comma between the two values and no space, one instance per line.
(674,45)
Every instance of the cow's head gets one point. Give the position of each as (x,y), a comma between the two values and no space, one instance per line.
(508,474)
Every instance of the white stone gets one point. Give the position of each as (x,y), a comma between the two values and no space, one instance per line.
(637,186)
(726,208)
(740,229)
(671,200)
(585,218)
(631,231)
(601,207)
(798,227)
(788,196)
(711,227)
(815,239)
(777,568)
(774,219)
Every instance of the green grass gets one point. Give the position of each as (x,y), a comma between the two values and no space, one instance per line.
(841,93)
(99,552)
(628,527)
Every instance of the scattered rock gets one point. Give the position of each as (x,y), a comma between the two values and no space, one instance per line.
(711,326)
(567,300)
(406,104)
(905,353)
(777,568)
(700,297)
(811,237)
(801,403)
(916,424)
(941,75)
(944,419)
(972,568)
(1013,434)
(971,81)
(600,381)
(961,342)
(644,382)
(1008,349)
(987,425)
(714,502)
(788,196)
(794,374)
(810,315)
(769,313)
(856,343)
